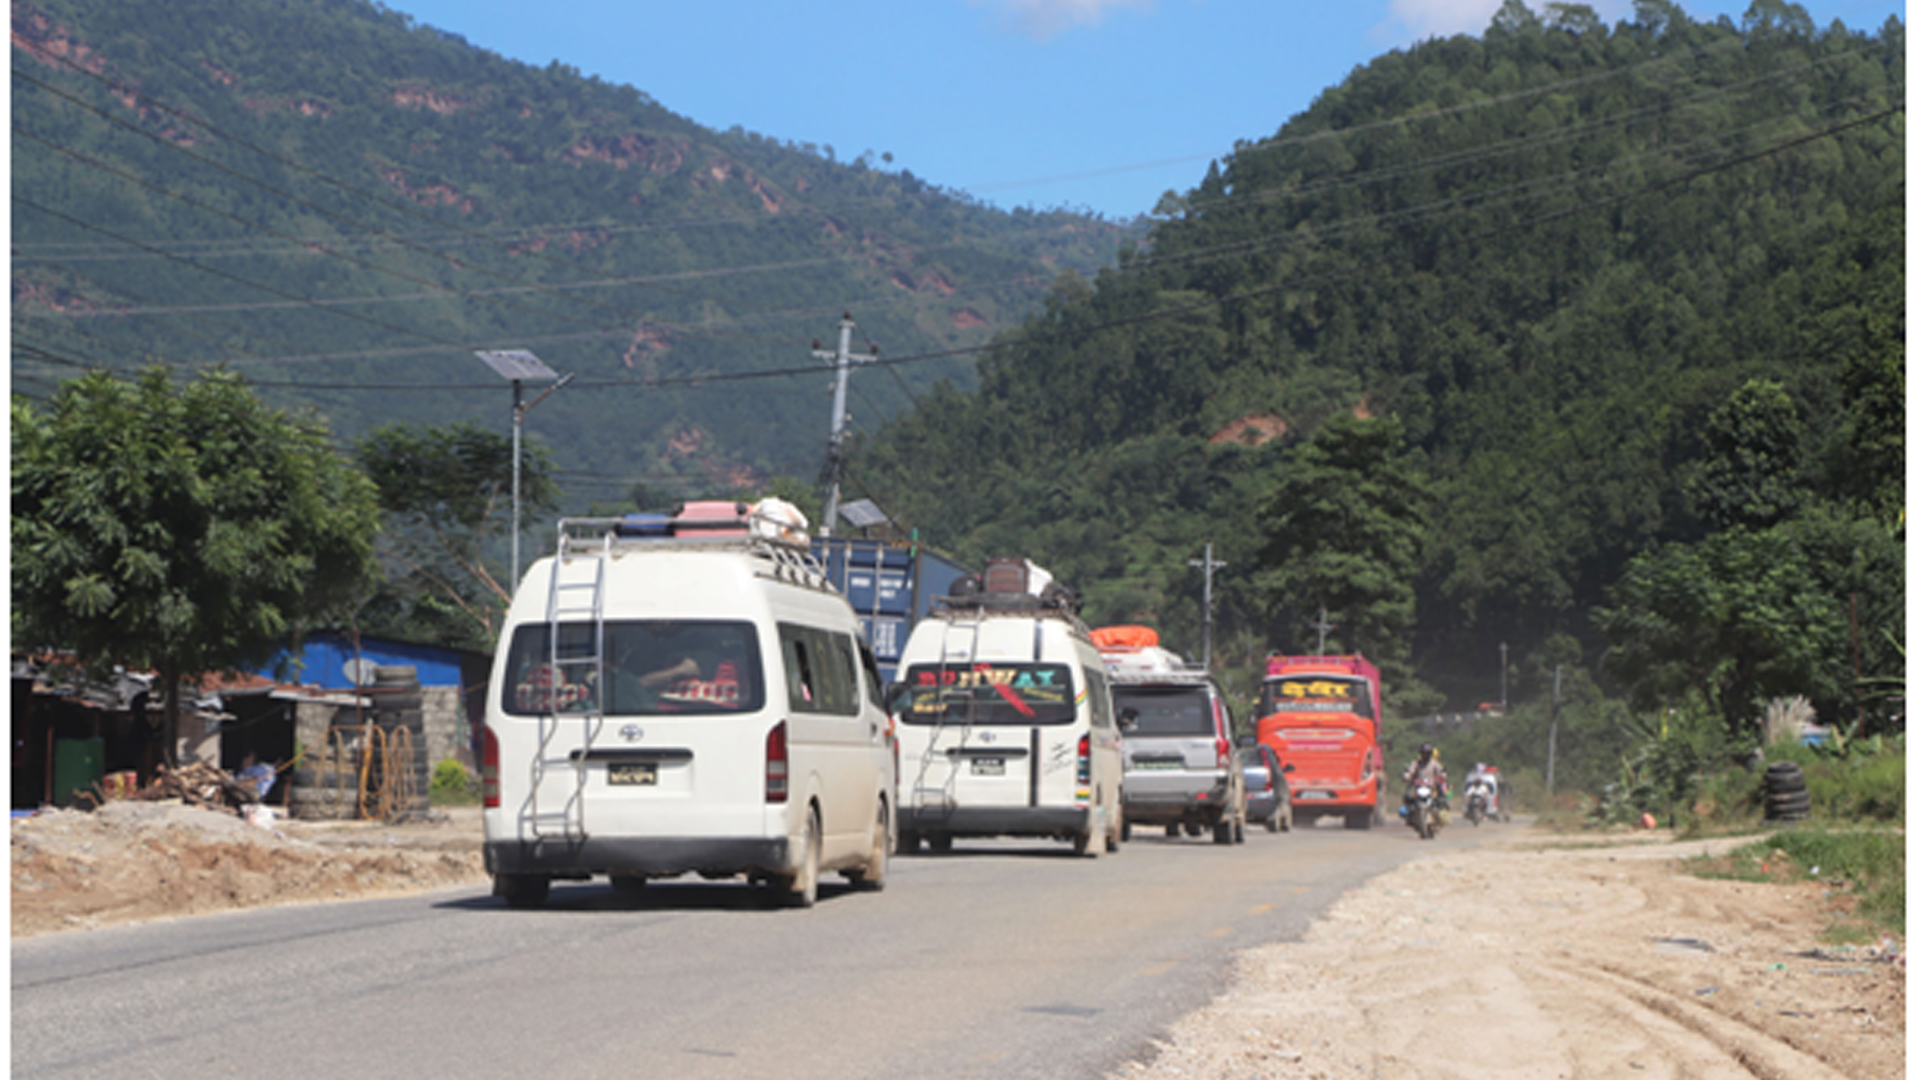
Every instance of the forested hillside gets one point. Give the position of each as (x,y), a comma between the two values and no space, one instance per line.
(1624,305)
(341,205)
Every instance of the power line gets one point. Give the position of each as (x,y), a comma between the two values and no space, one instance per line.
(130,93)
(1184,309)
(315,304)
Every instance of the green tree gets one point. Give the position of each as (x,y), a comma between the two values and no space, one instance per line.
(181,528)
(1345,529)
(446,493)
(1750,476)
(1739,618)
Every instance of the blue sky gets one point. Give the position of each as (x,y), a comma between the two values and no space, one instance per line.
(1099,105)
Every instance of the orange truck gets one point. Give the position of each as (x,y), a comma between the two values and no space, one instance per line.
(1321,714)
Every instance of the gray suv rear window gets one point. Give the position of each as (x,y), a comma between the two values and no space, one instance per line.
(1165,710)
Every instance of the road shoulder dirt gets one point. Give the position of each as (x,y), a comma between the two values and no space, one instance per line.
(1527,959)
(137,862)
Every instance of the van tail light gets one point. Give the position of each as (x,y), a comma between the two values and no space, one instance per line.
(1222,752)
(489,769)
(1085,773)
(777,763)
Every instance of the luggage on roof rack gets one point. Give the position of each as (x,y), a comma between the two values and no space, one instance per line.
(1126,637)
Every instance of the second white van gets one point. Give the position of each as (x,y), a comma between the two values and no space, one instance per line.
(1004,719)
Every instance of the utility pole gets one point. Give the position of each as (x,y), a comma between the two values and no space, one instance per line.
(1323,626)
(1503,678)
(1553,730)
(843,361)
(1208,566)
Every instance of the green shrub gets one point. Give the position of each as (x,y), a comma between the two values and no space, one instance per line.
(453,785)
(1733,798)
(1870,865)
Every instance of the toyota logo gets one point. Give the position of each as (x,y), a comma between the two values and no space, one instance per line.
(632,732)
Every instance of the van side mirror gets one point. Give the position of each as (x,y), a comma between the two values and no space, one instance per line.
(896,696)
(1129,719)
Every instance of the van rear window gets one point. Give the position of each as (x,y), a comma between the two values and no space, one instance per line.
(988,693)
(650,667)
(1164,710)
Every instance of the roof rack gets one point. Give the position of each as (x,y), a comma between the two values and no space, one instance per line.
(745,530)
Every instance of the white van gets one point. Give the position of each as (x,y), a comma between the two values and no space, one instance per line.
(684,694)
(1005,724)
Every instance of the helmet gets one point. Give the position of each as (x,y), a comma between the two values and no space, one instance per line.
(1427,750)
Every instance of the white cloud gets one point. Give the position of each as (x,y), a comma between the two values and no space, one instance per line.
(1416,20)
(1042,19)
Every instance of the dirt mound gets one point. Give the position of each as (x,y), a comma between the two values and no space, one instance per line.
(1523,961)
(135,862)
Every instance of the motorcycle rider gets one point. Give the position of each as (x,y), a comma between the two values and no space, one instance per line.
(1427,768)
(1483,781)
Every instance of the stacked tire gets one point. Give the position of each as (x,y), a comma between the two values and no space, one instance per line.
(1786,792)
(327,786)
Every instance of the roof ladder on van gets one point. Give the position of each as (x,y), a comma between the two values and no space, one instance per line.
(576,593)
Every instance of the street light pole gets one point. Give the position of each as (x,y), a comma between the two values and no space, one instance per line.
(519,416)
(517,365)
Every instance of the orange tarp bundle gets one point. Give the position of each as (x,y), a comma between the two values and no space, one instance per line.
(1126,637)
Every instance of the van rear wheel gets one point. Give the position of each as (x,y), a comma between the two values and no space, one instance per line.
(522,892)
(801,888)
(873,877)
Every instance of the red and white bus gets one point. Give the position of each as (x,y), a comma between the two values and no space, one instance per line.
(1321,714)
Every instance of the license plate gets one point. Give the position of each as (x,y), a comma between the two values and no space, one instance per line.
(1314,795)
(643,773)
(1157,763)
(989,766)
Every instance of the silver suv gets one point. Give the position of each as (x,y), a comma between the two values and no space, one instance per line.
(1181,772)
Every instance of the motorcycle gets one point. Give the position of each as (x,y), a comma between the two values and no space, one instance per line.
(1479,802)
(1421,808)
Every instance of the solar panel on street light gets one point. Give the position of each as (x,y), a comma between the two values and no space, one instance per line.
(863,514)
(518,364)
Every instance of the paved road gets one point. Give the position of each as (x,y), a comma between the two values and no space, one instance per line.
(1000,960)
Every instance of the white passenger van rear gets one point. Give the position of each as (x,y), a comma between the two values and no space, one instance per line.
(685,694)
(1004,721)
